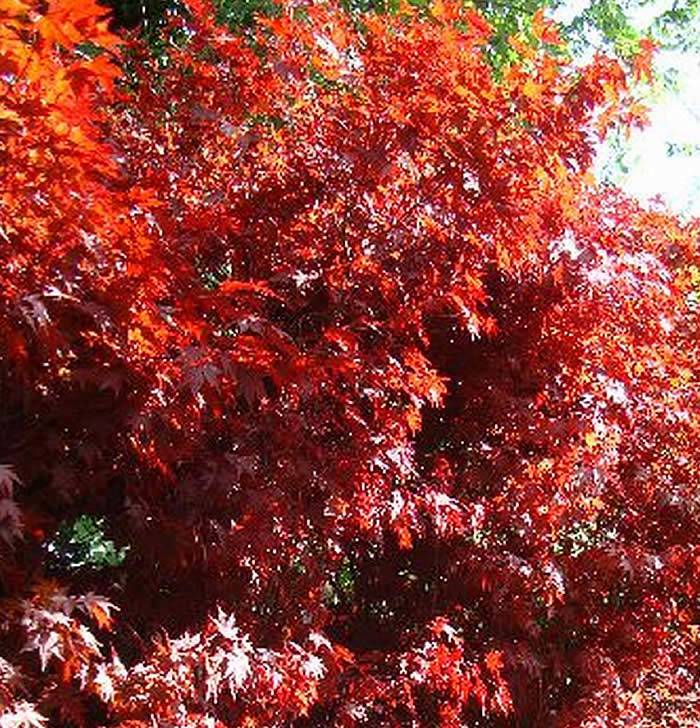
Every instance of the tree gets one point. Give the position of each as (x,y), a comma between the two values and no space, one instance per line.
(620,28)
(374,408)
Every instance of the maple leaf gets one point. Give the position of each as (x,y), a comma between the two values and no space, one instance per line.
(544,29)
(643,59)
(99,608)
(8,479)
(11,520)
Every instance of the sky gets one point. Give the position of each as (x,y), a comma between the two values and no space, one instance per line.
(674,120)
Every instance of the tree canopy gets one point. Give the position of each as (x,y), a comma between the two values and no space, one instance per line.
(613,24)
(334,390)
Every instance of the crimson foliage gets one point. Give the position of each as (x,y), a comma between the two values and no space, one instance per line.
(392,410)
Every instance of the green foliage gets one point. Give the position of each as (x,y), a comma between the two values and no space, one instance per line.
(605,24)
(582,536)
(82,543)
(507,19)
(620,26)
(341,589)
(679,27)
(242,13)
(148,14)
(682,149)
(213,277)
(366,6)
(612,23)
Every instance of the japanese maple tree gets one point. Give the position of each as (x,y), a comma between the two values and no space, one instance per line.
(334,392)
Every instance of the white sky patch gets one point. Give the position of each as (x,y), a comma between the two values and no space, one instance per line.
(643,15)
(568,11)
(674,120)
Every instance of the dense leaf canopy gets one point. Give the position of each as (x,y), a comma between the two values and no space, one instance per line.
(334,392)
